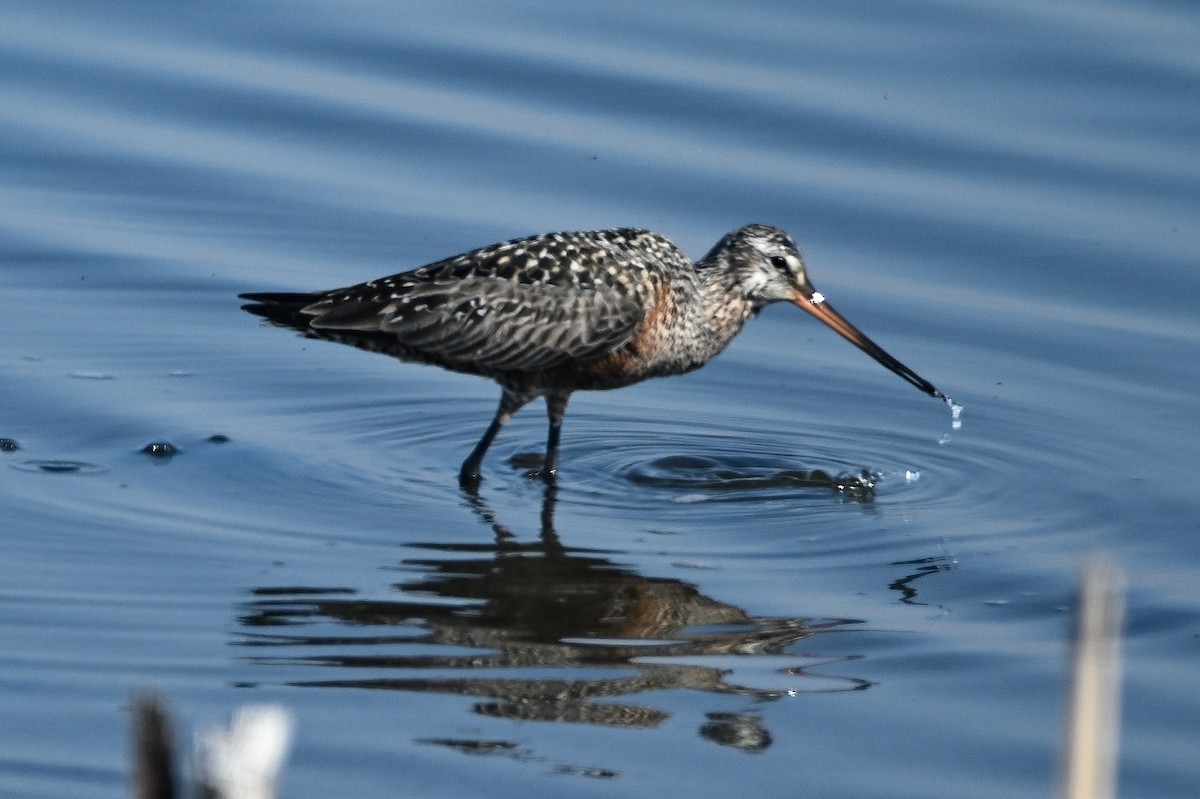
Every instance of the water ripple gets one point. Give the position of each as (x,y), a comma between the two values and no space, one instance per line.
(60,467)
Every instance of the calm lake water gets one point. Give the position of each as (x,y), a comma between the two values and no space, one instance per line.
(1004,195)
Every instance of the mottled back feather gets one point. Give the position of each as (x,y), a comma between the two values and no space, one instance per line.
(524,305)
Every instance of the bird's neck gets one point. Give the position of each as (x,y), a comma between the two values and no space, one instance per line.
(721,312)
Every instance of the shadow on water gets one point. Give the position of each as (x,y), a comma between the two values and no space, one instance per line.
(508,605)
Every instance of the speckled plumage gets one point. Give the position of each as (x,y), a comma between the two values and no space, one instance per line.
(552,314)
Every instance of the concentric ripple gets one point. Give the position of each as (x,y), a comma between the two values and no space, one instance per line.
(726,459)
(744,474)
(651,461)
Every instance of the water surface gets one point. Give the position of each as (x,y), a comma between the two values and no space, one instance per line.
(1002,195)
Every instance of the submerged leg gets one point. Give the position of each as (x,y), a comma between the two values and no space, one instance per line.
(510,403)
(556,409)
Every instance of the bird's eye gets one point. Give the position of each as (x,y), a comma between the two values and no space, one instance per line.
(780,263)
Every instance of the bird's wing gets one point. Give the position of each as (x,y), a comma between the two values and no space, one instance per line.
(523,305)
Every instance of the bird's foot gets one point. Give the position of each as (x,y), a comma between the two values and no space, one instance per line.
(468,480)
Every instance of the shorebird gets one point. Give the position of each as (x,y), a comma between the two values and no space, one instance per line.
(545,316)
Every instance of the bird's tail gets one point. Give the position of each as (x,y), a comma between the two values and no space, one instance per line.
(285,309)
(282,308)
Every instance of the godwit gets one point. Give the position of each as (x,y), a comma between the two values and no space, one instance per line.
(545,316)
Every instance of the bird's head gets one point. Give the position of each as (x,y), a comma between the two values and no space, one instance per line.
(767,267)
(765,263)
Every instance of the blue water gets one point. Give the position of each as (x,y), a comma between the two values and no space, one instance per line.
(1002,194)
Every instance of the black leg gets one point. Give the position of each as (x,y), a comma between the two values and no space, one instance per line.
(556,409)
(468,475)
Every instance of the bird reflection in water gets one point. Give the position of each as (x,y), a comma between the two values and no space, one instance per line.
(921,567)
(540,605)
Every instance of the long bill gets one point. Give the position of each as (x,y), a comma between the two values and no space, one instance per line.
(814,302)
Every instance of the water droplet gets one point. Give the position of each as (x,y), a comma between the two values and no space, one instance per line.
(955,414)
(160,449)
